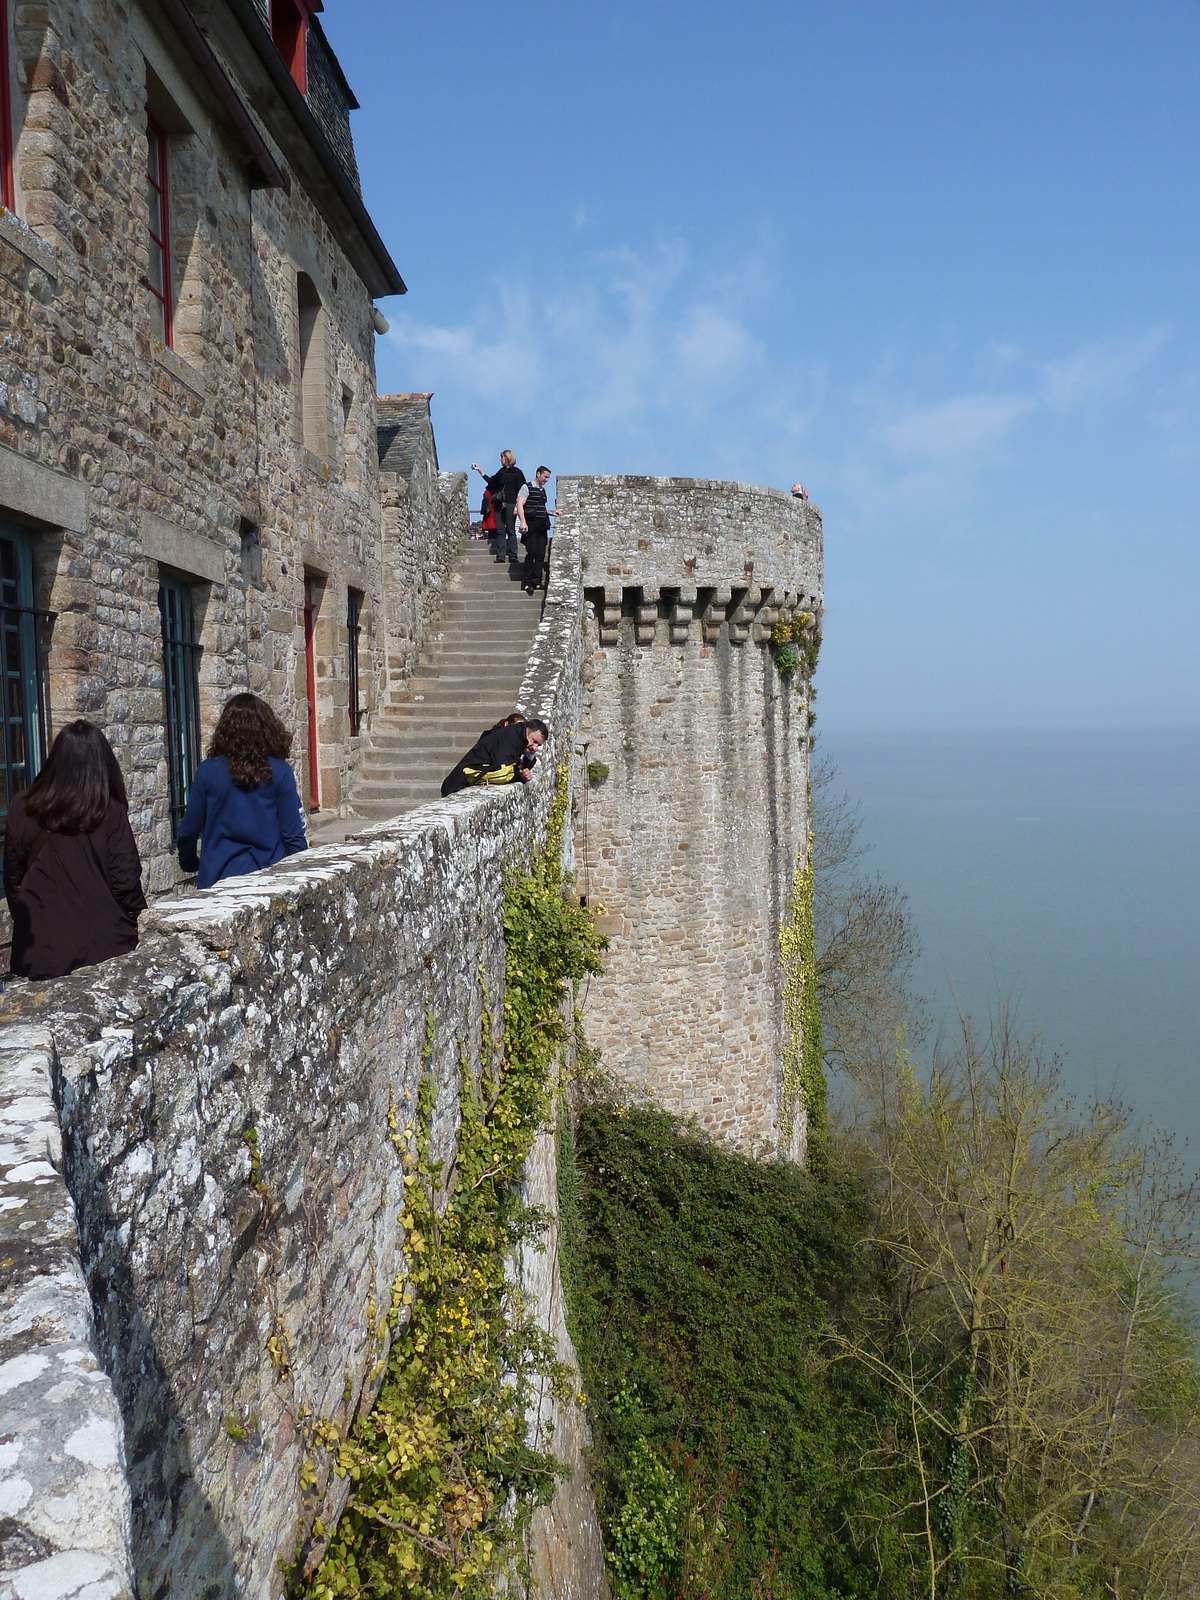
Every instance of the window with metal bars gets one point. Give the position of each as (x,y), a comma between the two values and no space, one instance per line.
(159,275)
(24,629)
(181,682)
(7,187)
(354,601)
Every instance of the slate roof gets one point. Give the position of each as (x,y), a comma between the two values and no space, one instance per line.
(401,420)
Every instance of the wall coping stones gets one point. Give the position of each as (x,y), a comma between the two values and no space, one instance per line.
(64,1501)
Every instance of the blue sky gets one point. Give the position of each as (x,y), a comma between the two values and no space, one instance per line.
(938,261)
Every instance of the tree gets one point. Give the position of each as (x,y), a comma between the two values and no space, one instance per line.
(866,941)
(1046,1435)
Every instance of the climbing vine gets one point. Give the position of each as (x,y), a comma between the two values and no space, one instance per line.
(442,1480)
(803,1075)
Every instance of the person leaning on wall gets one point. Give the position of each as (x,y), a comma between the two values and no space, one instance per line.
(244,809)
(72,874)
(503,754)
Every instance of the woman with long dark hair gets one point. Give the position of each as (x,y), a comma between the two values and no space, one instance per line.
(244,809)
(72,875)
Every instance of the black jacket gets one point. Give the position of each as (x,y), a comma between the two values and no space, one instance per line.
(496,748)
(506,485)
(79,899)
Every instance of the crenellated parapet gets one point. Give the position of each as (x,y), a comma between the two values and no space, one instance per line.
(697,813)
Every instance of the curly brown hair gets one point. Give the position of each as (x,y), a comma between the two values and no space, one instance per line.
(247,735)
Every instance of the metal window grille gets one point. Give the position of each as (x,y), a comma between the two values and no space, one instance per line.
(24,680)
(181,677)
(159,276)
(354,602)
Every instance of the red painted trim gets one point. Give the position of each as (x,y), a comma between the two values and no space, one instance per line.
(310,664)
(7,191)
(289,30)
(159,186)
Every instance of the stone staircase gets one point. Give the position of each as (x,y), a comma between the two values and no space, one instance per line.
(466,679)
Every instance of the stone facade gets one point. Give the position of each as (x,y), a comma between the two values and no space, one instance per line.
(239,460)
(691,838)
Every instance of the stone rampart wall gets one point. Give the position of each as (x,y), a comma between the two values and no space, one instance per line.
(225,1094)
(691,838)
(425,520)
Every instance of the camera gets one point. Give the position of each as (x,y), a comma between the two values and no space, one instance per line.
(527,761)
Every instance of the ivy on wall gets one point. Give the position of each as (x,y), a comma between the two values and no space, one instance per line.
(443,1482)
(803,1074)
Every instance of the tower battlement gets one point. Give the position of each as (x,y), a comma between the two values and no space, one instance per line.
(698,811)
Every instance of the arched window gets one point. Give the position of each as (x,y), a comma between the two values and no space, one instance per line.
(314,368)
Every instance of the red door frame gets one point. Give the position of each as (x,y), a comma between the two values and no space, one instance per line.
(7,195)
(310,613)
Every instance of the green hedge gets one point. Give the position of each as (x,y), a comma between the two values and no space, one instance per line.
(701,1286)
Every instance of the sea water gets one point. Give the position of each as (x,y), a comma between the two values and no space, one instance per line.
(1062,870)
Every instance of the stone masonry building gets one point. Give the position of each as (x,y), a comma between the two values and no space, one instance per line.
(189,478)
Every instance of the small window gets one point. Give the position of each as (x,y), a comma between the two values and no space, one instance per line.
(289,29)
(7,193)
(25,717)
(354,602)
(181,682)
(159,274)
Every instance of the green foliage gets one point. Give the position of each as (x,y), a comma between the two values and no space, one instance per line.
(645,1558)
(803,1074)
(798,643)
(442,1480)
(700,1288)
(597,772)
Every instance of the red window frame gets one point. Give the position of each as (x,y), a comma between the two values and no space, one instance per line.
(160,212)
(310,672)
(7,191)
(289,30)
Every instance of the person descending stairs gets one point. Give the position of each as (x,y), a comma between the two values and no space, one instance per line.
(467,678)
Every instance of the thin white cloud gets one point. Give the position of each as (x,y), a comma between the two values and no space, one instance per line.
(965,427)
(1097,374)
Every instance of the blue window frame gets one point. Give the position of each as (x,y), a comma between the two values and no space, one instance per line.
(24,701)
(181,682)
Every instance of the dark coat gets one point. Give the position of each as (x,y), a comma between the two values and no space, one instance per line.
(498,747)
(78,901)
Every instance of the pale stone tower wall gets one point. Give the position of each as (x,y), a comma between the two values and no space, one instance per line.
(692,839)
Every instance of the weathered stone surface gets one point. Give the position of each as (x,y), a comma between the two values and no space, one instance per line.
(64,1501)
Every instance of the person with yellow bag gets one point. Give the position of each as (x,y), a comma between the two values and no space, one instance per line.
(503,754)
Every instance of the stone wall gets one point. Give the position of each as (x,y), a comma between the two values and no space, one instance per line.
(691,838)
(425,519)
(224,1094)
(122,460)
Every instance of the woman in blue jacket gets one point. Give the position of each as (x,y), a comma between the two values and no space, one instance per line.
(243,809)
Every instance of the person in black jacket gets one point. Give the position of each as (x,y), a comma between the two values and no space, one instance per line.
(503,754)
(534,517)
(72,874)
(505,486)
